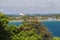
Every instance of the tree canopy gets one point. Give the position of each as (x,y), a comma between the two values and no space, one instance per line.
(4,34)
(31,29)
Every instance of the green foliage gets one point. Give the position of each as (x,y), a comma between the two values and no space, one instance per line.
(12,29)
(27,35)
(56,38)
(4,34)
(30,30)
(3,20)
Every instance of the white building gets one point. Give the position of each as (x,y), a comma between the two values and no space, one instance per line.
(21,14)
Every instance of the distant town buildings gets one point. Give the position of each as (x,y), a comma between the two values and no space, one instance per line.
(39,18)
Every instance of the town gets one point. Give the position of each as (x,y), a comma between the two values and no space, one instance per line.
(39,18)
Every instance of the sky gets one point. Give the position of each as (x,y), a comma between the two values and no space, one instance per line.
(30,6)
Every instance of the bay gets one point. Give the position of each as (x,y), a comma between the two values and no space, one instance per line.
(53,26)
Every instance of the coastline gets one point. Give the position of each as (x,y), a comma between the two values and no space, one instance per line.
(48,20)
(50,27)
(38,20)
(16,21)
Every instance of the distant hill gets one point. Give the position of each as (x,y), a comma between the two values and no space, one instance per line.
(35,14)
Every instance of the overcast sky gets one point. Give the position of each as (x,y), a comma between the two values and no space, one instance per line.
(30,6)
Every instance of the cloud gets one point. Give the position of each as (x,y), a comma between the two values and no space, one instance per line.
(30,6)
(28,3)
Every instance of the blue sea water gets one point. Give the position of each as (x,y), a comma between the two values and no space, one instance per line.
(53,26)
(15,23)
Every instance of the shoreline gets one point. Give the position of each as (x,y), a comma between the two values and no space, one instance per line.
(38,20)
(15,21)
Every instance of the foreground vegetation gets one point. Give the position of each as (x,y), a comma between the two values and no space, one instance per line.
(29,30)
(56,38)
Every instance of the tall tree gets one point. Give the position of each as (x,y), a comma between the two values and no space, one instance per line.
(30,24)
(4,34)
